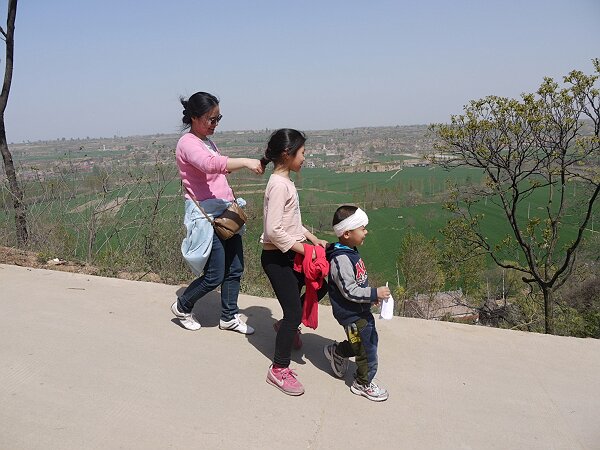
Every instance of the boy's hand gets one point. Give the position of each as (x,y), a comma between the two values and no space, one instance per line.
(383,292)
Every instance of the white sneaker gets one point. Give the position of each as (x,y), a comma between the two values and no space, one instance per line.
(188,321)
(236,324)
(371,391)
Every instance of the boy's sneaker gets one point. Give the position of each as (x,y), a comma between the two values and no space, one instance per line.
(339,364)
(187,320)
(297,344)
(284,379)
(371,391)
(236,324)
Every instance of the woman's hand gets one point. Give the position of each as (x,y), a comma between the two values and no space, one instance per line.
(254,165)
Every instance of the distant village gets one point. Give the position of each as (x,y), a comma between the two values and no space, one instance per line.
(378,149)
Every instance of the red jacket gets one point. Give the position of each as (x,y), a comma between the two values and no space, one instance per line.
(315,271)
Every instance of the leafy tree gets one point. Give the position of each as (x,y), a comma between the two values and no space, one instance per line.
(418,262)
(462,268)
(582,291)
(9,167)
(529,149)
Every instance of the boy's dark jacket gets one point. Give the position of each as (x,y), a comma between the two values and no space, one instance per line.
(348,284)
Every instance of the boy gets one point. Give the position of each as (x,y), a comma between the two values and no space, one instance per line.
(351,300)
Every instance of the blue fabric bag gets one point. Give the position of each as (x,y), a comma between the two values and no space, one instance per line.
(197,244)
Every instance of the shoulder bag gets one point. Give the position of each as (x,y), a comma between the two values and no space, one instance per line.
(229,222)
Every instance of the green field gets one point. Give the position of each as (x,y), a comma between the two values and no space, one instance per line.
(320,190)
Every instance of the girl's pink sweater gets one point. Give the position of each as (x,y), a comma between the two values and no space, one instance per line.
(281,215)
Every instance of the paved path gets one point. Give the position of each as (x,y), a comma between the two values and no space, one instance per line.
(99,363)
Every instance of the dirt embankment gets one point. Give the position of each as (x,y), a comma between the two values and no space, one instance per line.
(25,258)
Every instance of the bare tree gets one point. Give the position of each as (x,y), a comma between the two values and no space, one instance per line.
(9,167)
(532,151)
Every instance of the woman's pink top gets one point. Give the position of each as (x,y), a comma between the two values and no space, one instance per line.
(202,169)
(281,215)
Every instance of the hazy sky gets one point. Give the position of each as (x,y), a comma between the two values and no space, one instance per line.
(117,67)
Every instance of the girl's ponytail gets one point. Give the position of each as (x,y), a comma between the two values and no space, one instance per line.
(264,161)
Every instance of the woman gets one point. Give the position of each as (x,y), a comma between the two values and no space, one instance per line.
(203,174)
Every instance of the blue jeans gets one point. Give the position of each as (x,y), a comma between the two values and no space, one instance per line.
(224,268)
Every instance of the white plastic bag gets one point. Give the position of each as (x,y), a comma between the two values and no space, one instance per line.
(387,307)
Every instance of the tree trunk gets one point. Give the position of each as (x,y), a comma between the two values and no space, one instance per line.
(15,190)
(548,311)
(9,167)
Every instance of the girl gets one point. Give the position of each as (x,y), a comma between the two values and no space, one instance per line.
(282,239)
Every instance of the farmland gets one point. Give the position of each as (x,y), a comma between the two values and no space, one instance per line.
(101,199)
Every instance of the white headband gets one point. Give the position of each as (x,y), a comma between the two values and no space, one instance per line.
(356,220)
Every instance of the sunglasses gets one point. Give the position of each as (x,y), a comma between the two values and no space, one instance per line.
(215,120)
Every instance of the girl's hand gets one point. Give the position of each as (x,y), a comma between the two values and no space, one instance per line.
(320,242)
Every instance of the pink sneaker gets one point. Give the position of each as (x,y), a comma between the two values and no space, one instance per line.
(297,344)
(284,379)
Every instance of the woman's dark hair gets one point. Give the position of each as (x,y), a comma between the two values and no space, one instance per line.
(285,141)
(343,212)
(196,106)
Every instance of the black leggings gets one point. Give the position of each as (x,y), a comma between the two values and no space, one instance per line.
(287,284)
